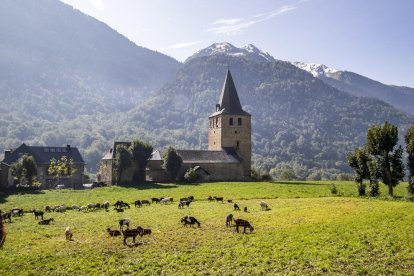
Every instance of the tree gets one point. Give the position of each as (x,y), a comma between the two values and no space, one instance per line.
(172,162)
(358,160)
(122,161)
(381,143)
(62,166)
(409,142)
(140,153)
(25,169)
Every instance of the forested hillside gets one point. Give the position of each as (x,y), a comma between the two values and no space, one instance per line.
(58,63)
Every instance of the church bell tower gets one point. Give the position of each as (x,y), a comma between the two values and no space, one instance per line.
(230,126)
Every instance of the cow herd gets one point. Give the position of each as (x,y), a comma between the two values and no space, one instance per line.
(124,224)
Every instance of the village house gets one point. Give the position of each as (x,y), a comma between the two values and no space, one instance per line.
(228,157)
(42,157)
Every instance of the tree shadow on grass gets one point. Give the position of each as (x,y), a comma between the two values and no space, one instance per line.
(5,194)
(304,183)
(149,185)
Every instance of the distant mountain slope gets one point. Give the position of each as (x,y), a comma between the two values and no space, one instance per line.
(56,62)
(400,97)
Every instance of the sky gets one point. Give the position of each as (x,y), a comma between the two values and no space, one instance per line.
(374,38)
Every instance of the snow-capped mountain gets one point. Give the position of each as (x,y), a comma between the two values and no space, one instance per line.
(249,51)
(400,97)
(317,70)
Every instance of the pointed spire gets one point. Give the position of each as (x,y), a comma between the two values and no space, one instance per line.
(229,100)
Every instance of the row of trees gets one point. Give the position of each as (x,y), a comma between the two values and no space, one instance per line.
(25,169)
(136,156)
(382,159)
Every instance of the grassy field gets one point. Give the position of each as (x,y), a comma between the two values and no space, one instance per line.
(307,230)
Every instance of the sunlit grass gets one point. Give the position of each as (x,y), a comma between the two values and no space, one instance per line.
(307,231)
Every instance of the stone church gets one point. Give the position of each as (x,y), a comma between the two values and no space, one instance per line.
(228,157)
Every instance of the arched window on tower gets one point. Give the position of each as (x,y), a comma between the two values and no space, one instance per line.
(239,121)
(237,145)
(216,122)
(231,121)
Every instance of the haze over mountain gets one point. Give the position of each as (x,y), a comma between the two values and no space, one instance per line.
(66,78)
(61,62)
(400,97)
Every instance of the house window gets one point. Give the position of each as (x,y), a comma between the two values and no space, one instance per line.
(57,150)
(239,121)
(231,121)
(52,149)
(46,149)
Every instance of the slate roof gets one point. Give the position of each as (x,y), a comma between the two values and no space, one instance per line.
(42,155)
(227,155)
(156,156)
(229,99)
(112,152)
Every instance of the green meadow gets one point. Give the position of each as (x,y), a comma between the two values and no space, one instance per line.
(307,230)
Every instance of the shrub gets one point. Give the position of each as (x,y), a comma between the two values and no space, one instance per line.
(266,177)
(333,189)
(361,188)
(191,175)
(374,188)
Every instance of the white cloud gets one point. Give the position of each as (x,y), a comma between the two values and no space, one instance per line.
(184,44)
(98,4)
(232,26)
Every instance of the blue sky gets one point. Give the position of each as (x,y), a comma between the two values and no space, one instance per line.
(374,38)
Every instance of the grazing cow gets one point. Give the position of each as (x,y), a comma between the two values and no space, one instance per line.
(17,212)
(123,222)
(146,202)
(48,208)
(166,200)
(121,204)
(138,203)
(156,200)
(184,203)
(68,234)
(144,231)
(75,207)
(91,206)
(106,205)
(83,208)
(2,233)
(130,233)
(61,208)
(229,201)
(236,207)
(38,214)
(245,209)
(188,198)
(264,206)
(187,220)
(45,222)
(113,233)
(5,216)
(243,223)
(219,199)
(229,220)
(210,198)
